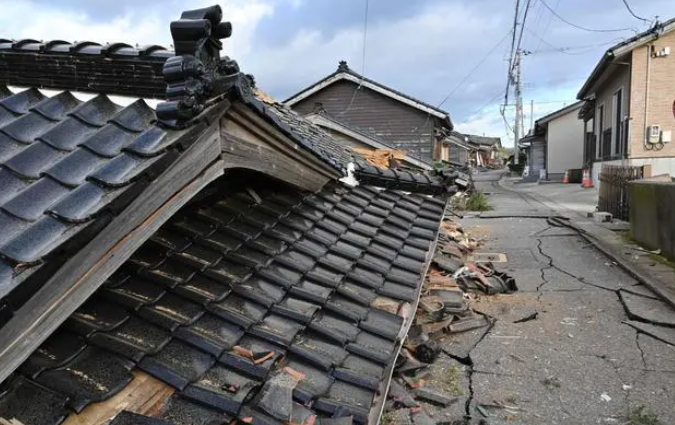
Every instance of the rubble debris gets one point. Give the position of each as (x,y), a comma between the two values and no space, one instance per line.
(420,417)
(428,352)
(434,397)
(528,318)
(469,323)
(487,257)
(406,362)
(276,396)
(399,394)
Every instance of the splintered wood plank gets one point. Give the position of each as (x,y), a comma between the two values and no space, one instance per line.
(80,276)
(144,395)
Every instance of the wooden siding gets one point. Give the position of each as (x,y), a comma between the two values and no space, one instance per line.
(397,124)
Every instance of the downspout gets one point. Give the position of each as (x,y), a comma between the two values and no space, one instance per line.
(649,66)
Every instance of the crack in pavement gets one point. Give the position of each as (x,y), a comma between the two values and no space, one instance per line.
(639,347)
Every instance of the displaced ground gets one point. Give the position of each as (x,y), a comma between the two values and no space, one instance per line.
(565,348)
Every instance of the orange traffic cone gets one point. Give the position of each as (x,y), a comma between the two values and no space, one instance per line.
(566,179)
(587,182)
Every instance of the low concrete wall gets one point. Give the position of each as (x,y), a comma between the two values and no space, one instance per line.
(652,213)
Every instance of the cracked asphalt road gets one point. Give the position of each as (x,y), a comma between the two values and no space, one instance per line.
(577,362)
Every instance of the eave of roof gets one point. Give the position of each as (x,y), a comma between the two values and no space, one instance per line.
(621,49)
(560,112)
(350,75)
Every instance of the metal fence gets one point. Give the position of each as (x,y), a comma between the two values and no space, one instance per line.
(613,194)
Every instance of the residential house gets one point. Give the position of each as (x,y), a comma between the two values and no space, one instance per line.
(557,143)
(629,103)
(486,149)
(456,149)
(371,108)
(533,145)
(181,264)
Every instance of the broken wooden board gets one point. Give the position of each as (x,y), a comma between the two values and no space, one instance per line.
(144,395)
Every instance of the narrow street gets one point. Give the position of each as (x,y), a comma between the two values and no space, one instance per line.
(560,350)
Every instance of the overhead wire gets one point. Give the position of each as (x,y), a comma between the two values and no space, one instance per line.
(625,2)
(579,26)
(363,60)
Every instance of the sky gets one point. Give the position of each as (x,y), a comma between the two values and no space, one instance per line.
(452,53)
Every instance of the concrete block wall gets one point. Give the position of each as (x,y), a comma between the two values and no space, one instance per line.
(652,208)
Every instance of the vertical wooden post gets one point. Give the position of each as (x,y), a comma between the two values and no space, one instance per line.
(646,171)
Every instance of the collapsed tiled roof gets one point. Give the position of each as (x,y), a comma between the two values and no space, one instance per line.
(269,305)
(66,166)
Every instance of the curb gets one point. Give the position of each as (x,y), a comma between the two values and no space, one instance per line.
(635,270)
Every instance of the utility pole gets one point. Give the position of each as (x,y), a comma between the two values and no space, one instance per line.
(532,114)
(517,81)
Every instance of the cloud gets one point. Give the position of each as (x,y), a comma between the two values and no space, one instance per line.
(146,24)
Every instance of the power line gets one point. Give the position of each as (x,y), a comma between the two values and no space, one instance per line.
(520,38)
(474,69)
(634,15)
(363,60)
(566,50)
(548,22)
(513,46)
(578,26)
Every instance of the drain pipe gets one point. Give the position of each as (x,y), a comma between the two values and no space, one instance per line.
(649,66)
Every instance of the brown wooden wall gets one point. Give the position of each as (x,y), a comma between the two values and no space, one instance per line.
(399,125)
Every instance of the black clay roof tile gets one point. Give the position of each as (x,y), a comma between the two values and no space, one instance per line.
(30,162)
(109,140)
(134,293)
(309,212)
(283,233)
(310,247)
(422,242)
(220,241)
(192,228)
(96,314)
(202,290)
(315,384)
(67,134)
(178,364)
(241,230)
(336,262)
(171,311)
(296,309)
(281,275)
(326,276)
(413,253)
(85,202)
(210,334)
(27,127)
(334,327)
(311,291)
(122,169)
(11,226)
(152,141)
(21,102)
(382,323)
(357,292)
(96,111)
(216,216)
(360,371)
(409,264)
(129,418)
(373,347)
(136,117)
(318,350)
(6,117)
(32,202)
(297,222)
(56,107)
(47,407)
(296,260)
(276,329)
(93,375)
(365,277)
(169,273)
(249,257)
(347,307)
(147,256)
(181,411)
(260,290)
(343,397)
(221,388)
(197,256)
(170,240)
(60,348)
(73,169)
(261,349)
(228,272)
(322,236)
(134,339)
(422,233)
(238,310)
(266,245)
(38,240)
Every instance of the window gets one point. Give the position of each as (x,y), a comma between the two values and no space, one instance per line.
(617,109)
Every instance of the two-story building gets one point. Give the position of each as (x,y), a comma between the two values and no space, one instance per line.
(630,103)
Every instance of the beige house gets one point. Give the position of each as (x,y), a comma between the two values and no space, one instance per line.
(630,103)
